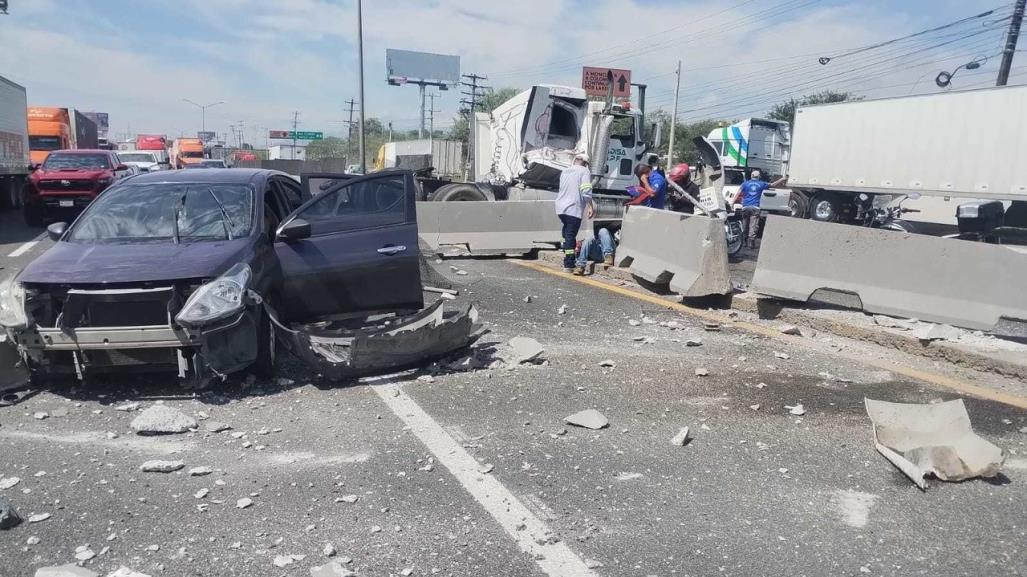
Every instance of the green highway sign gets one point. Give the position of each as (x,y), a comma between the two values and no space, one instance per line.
(297,135)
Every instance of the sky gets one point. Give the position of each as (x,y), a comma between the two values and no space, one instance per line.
(267,59)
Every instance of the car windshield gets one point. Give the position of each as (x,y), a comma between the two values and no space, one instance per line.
(136,157)
(191,154)
(146,213)
(76,161)
(44,143)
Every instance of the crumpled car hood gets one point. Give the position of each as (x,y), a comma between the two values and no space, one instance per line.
(73,263)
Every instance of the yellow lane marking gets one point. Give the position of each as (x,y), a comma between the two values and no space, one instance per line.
(926,376)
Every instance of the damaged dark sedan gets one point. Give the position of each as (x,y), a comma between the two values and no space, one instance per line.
(204,273)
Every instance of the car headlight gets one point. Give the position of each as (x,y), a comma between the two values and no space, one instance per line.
(12,304)
(105,180)
(220,298)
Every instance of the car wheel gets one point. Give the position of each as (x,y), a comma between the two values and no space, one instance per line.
(825,208)
(798,204)
(267,348)
(458,192)
(33,215)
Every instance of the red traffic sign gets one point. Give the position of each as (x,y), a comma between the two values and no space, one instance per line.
(278,134)
(596,80)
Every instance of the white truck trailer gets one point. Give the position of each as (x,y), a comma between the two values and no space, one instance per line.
(446,157)
(14,143)
(948,148)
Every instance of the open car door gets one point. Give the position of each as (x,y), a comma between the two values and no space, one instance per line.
(352,248)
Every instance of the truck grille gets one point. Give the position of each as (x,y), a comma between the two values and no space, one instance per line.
(66,185)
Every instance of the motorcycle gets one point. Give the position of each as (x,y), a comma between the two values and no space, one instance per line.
(990,222)
(887,216)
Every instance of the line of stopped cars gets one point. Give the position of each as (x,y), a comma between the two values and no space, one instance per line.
(207,272)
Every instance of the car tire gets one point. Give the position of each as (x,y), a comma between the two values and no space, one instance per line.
(798,204)
(462,191)
(267,348)
(825,207)
(33,215)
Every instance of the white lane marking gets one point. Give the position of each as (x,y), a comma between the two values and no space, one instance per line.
(529,532)
(23,249)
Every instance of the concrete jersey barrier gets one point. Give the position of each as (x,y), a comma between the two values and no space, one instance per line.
(507,227)
(688,252)
(962,283)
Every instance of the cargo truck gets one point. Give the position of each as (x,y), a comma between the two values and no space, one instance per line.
(59,129)
(943,149)
(446,157)
(14,143)
(755,143)
(155,143)
(186,151)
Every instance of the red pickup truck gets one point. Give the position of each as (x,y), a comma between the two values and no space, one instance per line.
(67,181)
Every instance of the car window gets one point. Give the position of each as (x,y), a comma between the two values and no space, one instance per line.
(380,201)
(290,191)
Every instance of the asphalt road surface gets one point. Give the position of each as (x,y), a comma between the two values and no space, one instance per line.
(474,472)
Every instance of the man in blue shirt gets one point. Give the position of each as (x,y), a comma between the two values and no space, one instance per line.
(651,190)
(749,195)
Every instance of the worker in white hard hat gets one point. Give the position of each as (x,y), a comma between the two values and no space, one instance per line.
(573,204)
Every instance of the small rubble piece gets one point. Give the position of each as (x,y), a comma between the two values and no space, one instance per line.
(161,419)
(609,363)
(527,299)
(329,550)
(933,439)
(201,493)
(216,427)
(243,503)
(8,516)
(893,323)
(376,529)
(791,330)
(200,471)
(525,349)
(69,570)
(933,332)
(426,379)
(693,343)
(39,416)
(407,572)
(39,517)
(562,310)
(84,553)
(798,410)
(128,407)
(681,439)
(702,372)
(710,326)
(332,569)
(161,466)
(486,468)
(634,323)
(780,355)
(589,419)
(126,572)
(32,540)
(755,407)
(8,482)
(347,499)
(283,560)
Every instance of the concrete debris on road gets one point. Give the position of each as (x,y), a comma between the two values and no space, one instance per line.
(161,419)
(527,299)
(333,569)
(681,439)
(755,407)
(347,499)
(486,468)
(39,416)
(702,372)
(126,572)
(589,419)
(711,326)
(243,503)
(8,516)
(128,407)
(937,332)
(780,355)
(39,517)
(791,330)
(525,349)
(216,427)
(693,343)
(200,471)
(933,439)
(69,570)
(329,550)
(609,363)
(84,553)
(562,310)
(634,323)
(161,466)
(798,409)
(283,560)
(8,482)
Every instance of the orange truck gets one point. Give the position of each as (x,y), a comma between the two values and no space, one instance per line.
(58,129)
(186,151)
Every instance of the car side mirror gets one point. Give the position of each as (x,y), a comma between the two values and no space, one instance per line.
(56,230)
(294,230)
(121,167)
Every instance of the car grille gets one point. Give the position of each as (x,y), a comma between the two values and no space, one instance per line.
(120,314)
(77,201)
(131,357)
(67,184)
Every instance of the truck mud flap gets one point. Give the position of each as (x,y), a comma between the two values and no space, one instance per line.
(968,284)
(482,228)
(404,343)
(686,252)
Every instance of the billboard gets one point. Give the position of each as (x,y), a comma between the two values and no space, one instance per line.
(205,136)
(403,66)
(278,134)
(595,81)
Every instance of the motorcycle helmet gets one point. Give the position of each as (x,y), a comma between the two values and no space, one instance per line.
(679,173)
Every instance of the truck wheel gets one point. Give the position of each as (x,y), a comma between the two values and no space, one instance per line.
(11,193)
(798,203)
(461,191)
(33,215)
(825,208)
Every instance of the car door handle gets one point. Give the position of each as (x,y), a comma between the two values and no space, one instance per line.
(768,193)
(392,249)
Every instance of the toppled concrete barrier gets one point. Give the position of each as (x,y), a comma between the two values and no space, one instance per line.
(686,252)
(508,227)
(934,440)
(967,284)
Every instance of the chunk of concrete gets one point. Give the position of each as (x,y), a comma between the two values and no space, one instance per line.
(681,439)
(8,516)
(791,330)
(589,419)
(161,419)
(157,466)
(332,569)
(525,349)
(937,332)
(933,439)
(126,572)
(702,372)
(69,570)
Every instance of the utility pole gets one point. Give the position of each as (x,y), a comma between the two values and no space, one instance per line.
(1011,39)
(349,124)
(471,102)
(295,125)
(674,118)
(390,131)
(360,49)
(431,121)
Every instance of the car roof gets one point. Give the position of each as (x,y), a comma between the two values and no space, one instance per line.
(206,176)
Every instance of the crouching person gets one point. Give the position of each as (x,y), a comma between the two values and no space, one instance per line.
(596,248)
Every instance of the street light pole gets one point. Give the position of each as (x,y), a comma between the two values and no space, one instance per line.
(203,111)
(363,106)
